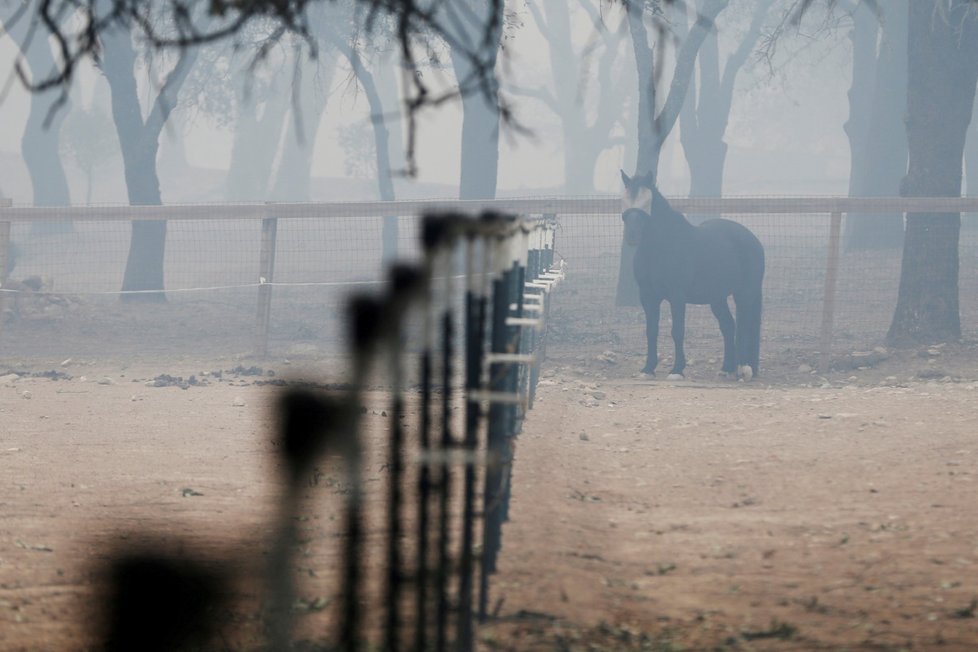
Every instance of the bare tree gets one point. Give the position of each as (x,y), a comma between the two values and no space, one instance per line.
(587,111)
(139,138)
(706,111)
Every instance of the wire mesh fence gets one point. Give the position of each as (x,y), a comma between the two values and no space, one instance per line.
(212,274)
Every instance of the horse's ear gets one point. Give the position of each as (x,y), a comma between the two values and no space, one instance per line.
(624,178)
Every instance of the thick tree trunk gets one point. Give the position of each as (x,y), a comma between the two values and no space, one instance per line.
(879,171)
(649,142)
(139,140)
(480,141)
(943,48)
(473,21)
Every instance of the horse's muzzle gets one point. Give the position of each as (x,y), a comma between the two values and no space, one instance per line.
(634,219)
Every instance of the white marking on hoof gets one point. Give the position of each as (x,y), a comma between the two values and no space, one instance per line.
(745,372)
(675,377)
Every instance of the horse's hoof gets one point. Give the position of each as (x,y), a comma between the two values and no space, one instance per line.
(675,377)
(726,375)
(647,375)
(745,373)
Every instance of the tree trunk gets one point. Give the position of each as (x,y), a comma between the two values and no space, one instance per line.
(382,150)
(473,21)
(584,138)
(705,115)
(863,36)
(649,142)
(389,94)
(971,166)
(294,173)
(943,48)
(256,142)
(480,142)
(39,144)
(139,140)
(884,162)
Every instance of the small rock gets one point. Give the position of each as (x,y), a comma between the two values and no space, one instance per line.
(804,368)
(238,402)
(66,362)
(584,437)
(599,395)
(607,356)
(106,381)
(26,394)
(8,379)
(83,379)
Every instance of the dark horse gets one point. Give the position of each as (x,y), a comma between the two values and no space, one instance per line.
(681,263)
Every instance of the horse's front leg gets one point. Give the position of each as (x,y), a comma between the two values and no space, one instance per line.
(678,309)
(651,305)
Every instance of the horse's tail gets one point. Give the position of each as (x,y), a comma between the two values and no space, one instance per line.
(749,308)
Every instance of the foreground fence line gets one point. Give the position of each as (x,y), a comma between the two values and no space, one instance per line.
(431,599)
(269,213)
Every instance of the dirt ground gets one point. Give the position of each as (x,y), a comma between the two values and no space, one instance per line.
(799,512)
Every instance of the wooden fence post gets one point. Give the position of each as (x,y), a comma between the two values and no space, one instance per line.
(4,252)
(828,297)
(269,227)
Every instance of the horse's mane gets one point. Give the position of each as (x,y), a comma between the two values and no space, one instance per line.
(661,206)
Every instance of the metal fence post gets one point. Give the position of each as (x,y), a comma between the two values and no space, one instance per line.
(266,270)
(828,297)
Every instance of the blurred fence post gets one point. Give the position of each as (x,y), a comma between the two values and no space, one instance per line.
(266,271)
(390,232)
(828,297)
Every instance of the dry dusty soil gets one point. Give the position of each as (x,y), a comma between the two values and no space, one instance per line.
(645,514)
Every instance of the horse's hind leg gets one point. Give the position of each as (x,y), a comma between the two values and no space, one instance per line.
(678,310)
(748,334)
(727,327)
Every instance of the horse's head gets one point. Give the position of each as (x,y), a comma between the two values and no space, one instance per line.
(636,205)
